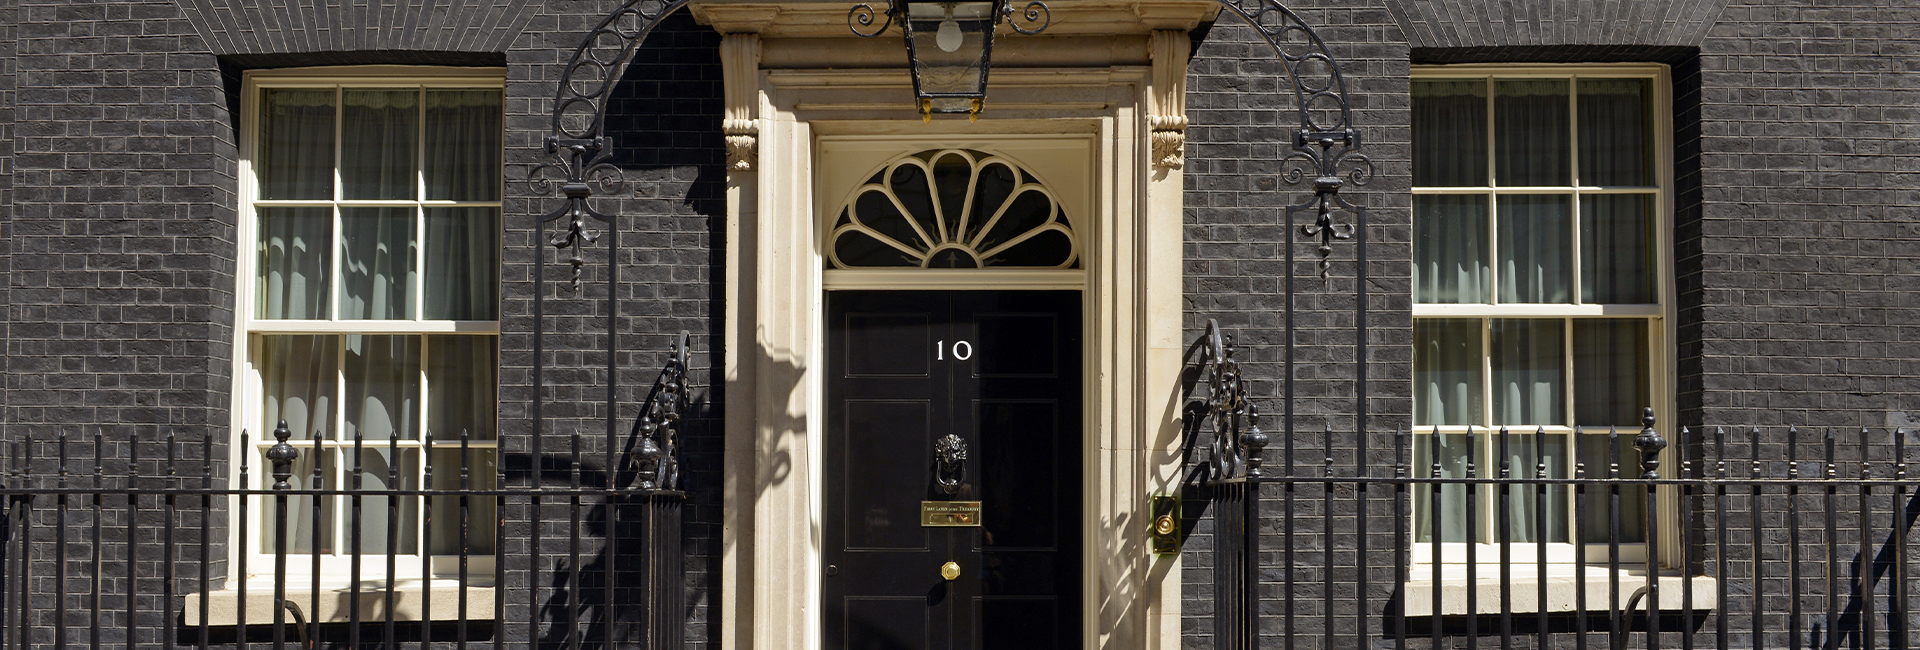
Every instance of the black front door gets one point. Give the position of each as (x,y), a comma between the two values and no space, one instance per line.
(999,372)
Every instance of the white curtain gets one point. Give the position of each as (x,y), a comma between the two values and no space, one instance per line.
(1446,370)
(378,135)
(1452,452)
(1530,133)
(1449,132)
(295,249)
(463,142)
(1528,361)
(1610,366)
(1536,248)
(1524,461)
(297,374)
(376,263)
(1450,250)
(462,264)
(1616,249)
(296,144)
(376,462)
(1614,148)
(462,244)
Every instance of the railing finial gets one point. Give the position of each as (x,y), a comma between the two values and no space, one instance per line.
(282,455)
(1650,444)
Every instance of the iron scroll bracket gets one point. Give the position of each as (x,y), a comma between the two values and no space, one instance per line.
(1232,439)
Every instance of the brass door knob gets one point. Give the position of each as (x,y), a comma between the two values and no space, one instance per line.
(950,570)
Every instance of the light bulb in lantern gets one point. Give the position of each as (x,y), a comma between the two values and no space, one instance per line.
(948,36)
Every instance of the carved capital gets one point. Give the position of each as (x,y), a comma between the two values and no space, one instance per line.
(1169,140)
(740,64)
(742,143)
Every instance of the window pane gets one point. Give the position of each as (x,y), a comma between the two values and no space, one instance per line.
(299,508)
(379,514)
(1610,371)
(480,511)
(1452,452)
(296,144)
(376,263)
(1531,135)
(462,265)
(1528,363)
(1596,509)
(383,386)
(297,377)
(1536,249)
(463,145)
(379,129)
(1614,145)
(1616,249)
(460,387)
(1446,371)
(1450,249)
(1449,132)
(1524,461)
(294,250)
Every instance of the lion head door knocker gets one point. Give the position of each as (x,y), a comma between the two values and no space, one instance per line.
(949,464)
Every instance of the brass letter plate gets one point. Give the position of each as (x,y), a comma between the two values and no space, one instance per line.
(949,513)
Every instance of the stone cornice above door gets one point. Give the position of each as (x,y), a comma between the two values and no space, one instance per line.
(828,18)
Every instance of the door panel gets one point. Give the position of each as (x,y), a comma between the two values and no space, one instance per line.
(879,517)
(1001,371)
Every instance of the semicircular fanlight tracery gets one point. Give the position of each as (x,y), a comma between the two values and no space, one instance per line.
(954,209)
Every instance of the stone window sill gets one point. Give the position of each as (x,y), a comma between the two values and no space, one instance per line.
(1563,589)
(224,606)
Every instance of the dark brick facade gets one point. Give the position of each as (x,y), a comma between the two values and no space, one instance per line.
(1794,244)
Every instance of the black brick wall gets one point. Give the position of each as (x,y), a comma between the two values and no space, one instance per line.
(383,31)
(8,32)
(120,256)
(1809,313)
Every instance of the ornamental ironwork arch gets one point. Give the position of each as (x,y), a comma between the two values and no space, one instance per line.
(1326,143)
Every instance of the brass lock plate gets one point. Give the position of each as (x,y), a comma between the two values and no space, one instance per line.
(949,514)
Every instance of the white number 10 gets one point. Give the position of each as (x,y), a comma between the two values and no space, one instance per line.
(962,350)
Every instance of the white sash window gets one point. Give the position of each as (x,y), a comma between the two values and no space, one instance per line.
(1541,290)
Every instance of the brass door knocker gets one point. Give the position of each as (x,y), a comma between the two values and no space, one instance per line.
(950,464)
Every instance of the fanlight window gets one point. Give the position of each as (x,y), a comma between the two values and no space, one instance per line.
(953,209)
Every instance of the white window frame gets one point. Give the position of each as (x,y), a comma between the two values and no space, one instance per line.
(1659,318)
(248,387)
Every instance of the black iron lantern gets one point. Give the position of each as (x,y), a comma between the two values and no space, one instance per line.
(950,45)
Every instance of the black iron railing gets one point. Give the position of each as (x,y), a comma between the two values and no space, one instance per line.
(1728,538)
(94,557)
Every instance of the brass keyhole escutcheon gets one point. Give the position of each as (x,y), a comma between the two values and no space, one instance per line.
(950,570)
(1164,525)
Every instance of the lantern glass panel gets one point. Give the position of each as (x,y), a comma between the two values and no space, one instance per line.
(950,42)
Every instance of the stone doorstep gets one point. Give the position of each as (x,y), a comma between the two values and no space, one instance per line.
(1563,590)
(224,605)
